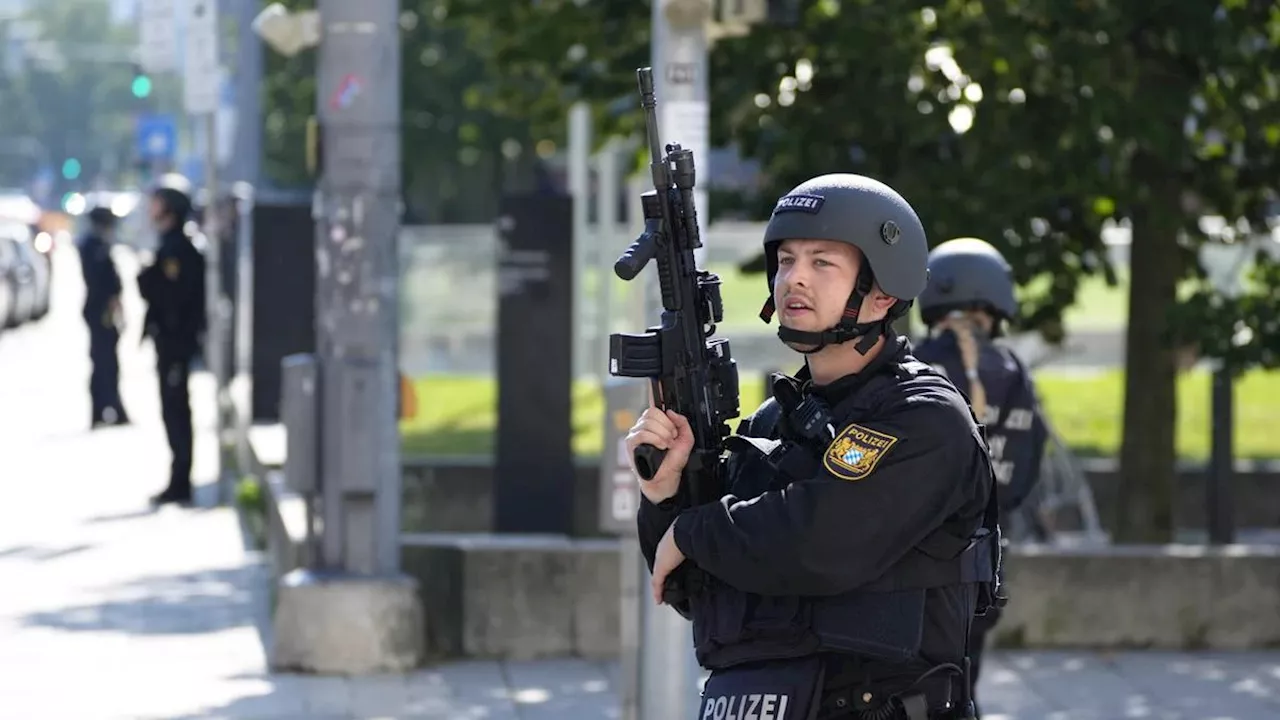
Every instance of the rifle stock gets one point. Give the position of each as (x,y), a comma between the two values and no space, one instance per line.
(690,371)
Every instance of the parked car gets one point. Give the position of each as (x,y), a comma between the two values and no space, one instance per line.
(8,288)
(18,208)
(20,276)
(41,275)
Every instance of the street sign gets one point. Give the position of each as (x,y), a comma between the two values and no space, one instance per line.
(156,137)
(157,35)
(202,86)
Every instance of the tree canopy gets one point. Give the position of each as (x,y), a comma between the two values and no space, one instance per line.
(464,141)
(69,97)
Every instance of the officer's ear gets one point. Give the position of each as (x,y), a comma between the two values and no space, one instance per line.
(880,301)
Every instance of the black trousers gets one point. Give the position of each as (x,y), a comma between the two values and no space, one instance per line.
(978,632)
(175,407)
(104,379)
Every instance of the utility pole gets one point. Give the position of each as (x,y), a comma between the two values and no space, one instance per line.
(201,95)
(245,166)
(247,159)
(668,672)
(1224,263)
(358,220)
(682,35)
(371,612)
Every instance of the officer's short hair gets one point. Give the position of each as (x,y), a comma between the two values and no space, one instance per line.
(101,217)
(176,202)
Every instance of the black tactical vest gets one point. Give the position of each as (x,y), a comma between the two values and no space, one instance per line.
(880,621)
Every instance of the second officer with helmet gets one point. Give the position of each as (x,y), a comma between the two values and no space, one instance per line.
(967,304)
(840,574)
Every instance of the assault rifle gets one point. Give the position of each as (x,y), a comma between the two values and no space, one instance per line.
(689,371)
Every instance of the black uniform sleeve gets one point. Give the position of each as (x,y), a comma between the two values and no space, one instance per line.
(1021,432)
(195,299)
(86,263)
(114,287)
(886,485)
(652,522)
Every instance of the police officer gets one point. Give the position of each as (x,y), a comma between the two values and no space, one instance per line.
(967,303)
(174,289)
(839,576)
(103,315)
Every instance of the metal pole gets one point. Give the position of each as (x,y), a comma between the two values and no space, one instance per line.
(243,382)
(215,339)
(632,572)
(680,56)
(680,51)
(1220,521)
(580,188)
(357,284)
(608,247)
(668,685)
(247,159)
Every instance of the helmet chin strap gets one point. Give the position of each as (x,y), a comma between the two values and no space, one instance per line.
(867,334)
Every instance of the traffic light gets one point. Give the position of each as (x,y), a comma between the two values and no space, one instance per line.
(71,169)
(141,83)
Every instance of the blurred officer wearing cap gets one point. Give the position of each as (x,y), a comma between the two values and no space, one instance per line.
(174,288)
(103,316)
(841,574)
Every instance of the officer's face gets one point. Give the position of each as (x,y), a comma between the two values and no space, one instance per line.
(160,218)
(814,281)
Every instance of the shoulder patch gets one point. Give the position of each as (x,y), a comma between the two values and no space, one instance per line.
(171,268)
(856,451)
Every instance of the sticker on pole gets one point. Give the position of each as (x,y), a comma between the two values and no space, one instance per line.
(348,90)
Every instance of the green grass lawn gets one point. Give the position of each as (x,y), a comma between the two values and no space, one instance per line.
(457,413)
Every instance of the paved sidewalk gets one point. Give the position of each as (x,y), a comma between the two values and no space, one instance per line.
(109,610)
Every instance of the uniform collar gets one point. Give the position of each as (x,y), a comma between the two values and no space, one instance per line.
(173,235)
(895,348)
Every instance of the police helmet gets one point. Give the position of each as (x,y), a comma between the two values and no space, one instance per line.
(968,274)
(174,191)
(872,217)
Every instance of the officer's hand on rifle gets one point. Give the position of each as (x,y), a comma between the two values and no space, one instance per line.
(665,430)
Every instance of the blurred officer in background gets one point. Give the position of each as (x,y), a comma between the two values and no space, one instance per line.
(102,313)
(840,575)
(968,301)
(174,288)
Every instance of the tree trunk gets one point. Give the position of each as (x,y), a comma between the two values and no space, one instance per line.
(1147,453)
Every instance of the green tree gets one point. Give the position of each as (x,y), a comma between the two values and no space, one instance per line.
(1160,113)
(21,154)
(72,100)
(289,99)
(1027,122)
(543,56)
(460,153)
(1063,116)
